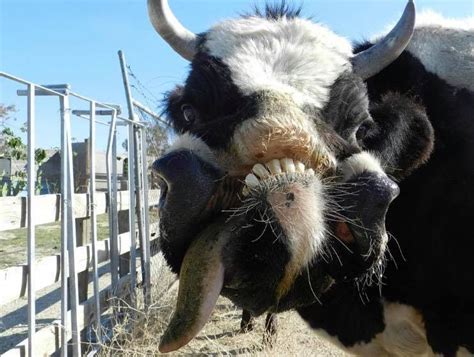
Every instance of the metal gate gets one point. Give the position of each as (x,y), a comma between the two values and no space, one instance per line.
(75,313)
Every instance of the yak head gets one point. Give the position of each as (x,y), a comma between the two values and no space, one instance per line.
(271,191)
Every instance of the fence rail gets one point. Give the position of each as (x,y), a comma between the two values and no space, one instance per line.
(14,213)
(81,251)
(14,280)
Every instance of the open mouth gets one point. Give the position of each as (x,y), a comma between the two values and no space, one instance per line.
(285,170)
(274,170)
(290,194)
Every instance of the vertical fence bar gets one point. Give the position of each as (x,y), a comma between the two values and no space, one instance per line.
(113,207)
(114,257)
(93,214)
(64,233)
(138,168)
(31,220)
(146,208)
(73,287)
(132,144)
(136,158)
(131,214)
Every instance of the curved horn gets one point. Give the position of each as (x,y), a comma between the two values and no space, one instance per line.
(170,29)
(371,61)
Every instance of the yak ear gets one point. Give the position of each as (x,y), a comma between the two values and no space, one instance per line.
(403,137)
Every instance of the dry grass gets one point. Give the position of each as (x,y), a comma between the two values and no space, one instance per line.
(219,337)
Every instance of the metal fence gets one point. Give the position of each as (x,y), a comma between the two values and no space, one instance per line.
(73,260)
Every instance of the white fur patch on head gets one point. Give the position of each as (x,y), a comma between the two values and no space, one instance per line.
(359,163)
(290,55)
(194,144)
(445,47)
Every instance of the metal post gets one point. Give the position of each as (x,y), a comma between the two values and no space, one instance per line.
(73,288)
(31,222)
(132,165)
(136,158)
(131,214)
(114,258)
(146,208)
(93,214)
(138,185)
(113,208)
(64,232)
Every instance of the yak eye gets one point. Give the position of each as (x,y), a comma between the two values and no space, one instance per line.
(364,129)
(189,113)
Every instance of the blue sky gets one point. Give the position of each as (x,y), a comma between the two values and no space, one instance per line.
(76,42)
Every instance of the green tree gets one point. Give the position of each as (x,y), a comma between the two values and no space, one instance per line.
(5,117)
(12,146)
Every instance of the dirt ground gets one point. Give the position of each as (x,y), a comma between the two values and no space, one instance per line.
(140,335)
(220,336)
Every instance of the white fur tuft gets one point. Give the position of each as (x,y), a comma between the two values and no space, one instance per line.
(196,145)
(290,56)
(359,163)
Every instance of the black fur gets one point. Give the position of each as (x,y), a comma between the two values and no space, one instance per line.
(216,100)
(403,123)
(277,10)
(254,255)
(436,235)
(348,107)
(431,218)
(343,313)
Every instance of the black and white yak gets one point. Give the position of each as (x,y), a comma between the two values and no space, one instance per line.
(295,151)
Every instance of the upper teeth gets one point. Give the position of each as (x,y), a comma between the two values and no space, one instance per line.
(260,171)
(274,168)
(299,167)
(288,165)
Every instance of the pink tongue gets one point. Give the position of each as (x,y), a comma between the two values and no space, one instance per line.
(200,283)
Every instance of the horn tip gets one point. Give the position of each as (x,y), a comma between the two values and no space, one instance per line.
(410,5)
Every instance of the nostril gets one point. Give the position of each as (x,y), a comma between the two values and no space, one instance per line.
(169,168)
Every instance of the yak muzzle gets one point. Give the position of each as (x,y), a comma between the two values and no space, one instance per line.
(366,200)
(187,181)
(188,188)
(369,197)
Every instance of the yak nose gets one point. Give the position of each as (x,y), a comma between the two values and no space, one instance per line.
(381,190)
(374,192)
(187,181)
